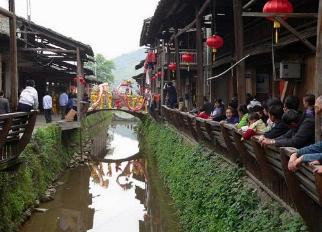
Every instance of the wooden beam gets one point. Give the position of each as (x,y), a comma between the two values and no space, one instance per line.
(79,87)
(288,15)
(318,73)
(249,4)
(296,33)
(190,25)
(13,57)
(6,13)
(239,51)
(47,50)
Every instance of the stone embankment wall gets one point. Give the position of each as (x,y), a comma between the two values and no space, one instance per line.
(47,155)
(209,193)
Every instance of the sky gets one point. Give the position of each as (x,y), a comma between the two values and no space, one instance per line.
(111,27)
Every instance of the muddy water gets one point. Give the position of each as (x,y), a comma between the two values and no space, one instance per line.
(119,192)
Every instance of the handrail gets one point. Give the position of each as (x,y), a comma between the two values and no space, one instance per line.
(16,131)
(266,165)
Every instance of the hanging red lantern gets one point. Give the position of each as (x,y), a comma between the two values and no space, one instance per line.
(153,78)
(187,58)
(159,74)
(215,42)
(81,79)
(172,67)
(277,6)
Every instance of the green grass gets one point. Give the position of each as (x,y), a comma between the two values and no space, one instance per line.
(208,193)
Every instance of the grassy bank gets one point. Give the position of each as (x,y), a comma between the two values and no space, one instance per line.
(208,193)
(44,158)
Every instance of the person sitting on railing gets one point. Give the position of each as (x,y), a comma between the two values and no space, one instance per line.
(231,116)
(279,127)
(300,134)
(256,126)
(308,103)
(218,112)
(243,116)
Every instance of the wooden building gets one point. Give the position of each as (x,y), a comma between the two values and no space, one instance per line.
(51,59)
(181,26)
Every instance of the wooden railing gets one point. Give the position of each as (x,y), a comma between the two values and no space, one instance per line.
(266,165)
(15,133)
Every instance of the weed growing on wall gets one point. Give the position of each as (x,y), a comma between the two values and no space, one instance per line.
(210,194)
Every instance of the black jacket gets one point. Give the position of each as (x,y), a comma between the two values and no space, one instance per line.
(298,137)
(279,129)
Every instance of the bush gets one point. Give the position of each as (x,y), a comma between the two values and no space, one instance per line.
(210,194)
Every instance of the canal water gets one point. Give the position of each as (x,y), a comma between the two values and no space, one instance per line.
(120,192)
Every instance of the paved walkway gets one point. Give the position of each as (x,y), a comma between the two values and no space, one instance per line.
(41,122)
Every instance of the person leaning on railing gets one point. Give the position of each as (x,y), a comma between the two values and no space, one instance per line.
(311,154)
(243,116)
(300,134)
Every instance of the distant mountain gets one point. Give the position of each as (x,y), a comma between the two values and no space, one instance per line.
(125,65)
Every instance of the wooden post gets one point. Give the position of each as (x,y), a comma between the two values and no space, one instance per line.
(79,87)
(318,73)
(239,51)
(178,77)
(1,87)
(79,99)
(13,56)
(199,46)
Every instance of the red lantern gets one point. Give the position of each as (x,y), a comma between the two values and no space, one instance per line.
(172,67)
(81,79)
(153,78)
(187,58)
(159,74)
(215,42)
(277,6)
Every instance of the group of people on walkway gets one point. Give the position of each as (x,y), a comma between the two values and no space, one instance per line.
(28,101)
(277,123)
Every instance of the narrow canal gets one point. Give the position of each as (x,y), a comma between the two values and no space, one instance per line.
(119,192)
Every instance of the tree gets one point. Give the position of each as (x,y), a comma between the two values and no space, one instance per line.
(103,68)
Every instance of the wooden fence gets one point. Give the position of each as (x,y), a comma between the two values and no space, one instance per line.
(266,165)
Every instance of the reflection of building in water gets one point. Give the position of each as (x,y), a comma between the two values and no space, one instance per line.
(75,214)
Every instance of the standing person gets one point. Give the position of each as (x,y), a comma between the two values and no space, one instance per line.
(171,94)
(4,104)
(47,103)
(28,98)
(63,100)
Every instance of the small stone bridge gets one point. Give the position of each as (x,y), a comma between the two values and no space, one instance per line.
(139,114)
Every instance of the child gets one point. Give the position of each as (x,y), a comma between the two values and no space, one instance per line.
(256,126)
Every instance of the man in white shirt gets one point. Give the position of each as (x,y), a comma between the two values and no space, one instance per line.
(28,98)
(47,103)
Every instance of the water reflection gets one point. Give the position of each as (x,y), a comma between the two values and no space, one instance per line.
(119,192)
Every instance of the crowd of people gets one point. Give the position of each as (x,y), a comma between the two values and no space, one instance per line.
(28,101)
(277,123)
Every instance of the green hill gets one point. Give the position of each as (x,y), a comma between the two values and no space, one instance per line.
(125,65)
